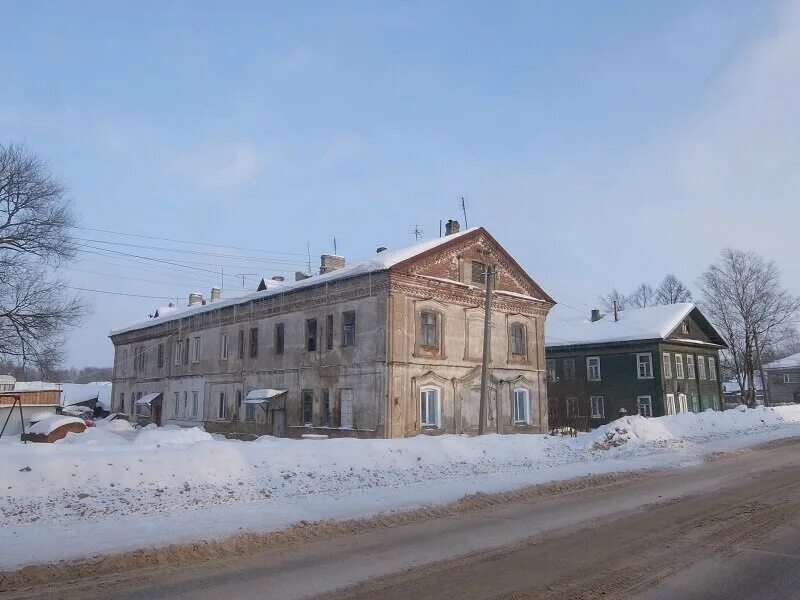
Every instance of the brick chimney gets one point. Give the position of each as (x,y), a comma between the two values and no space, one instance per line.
(452,226)
(195,298)
(330,262)
(596,316)
(216,294)
(278,278)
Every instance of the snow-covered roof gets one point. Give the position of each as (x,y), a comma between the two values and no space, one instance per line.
(789,362)
(259,396)
(50,424)
(732,386)
(72,393)
(147,399)
(379,262)
(651,323)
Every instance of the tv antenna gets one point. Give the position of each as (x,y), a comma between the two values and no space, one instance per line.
(464,210)
(417,232)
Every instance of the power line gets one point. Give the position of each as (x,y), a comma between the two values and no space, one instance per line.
(120,293)
(163,239)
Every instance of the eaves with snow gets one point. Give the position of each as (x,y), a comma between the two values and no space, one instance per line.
(653,323)
(790,362)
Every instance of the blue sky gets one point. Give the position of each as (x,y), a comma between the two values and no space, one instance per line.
(602,143)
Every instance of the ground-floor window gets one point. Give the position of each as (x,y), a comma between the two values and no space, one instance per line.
(646,405)
(715,400)
(522,406)
(308,407)
(249,412)
(221,406)
(177,406)
(669,404)
(346,408)
(429,407)
(326,407)
(122,402)
(682,405)
(695,403)
(195,402)
(597,407)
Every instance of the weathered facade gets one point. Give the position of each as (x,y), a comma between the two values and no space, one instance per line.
(389,347)
(652,361)
(783,380)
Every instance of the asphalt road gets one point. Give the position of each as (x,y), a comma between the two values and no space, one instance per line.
(728,529)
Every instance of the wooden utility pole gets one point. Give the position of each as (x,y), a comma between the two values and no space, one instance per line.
(487,326)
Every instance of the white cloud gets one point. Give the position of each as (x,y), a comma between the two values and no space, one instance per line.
(224,167)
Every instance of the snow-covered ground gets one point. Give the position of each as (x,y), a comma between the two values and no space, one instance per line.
(112,488)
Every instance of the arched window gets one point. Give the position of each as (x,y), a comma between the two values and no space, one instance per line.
(522,406)
(430,407)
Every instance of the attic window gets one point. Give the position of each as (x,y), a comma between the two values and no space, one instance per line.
(685,327)
(478,272)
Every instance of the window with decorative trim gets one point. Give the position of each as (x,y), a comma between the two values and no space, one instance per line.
(593,368)
(430,407)
(429,329)
(645,404)
(679,366)
(569,369)
(522,406)
(669,404)
(644,363)
(667,365)
(597,407)
(690,366)
(478,272)
(518,339)
(701,367)
(712,369)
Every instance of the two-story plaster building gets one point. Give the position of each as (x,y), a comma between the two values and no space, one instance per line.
(387,347)
(653,361)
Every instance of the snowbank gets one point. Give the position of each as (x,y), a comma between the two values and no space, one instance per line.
(115,488)
(49,424)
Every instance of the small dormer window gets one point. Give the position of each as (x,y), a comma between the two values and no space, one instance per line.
(685,327)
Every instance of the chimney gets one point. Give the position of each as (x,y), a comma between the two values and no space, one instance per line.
(195,298)
(278,278)
(330,262)
(596,316)
(299,276)
(616,311)
(381,249)
(216,294)
(452,226)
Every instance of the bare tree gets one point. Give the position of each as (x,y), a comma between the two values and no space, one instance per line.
(671,290)
(613,296)
(35,222)
(642,297)
(743,296)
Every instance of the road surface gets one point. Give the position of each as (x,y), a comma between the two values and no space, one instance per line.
(729,528)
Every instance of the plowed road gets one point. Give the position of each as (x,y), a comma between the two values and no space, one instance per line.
(729,528)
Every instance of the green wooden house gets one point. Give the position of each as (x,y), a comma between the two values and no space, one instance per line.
(652,361)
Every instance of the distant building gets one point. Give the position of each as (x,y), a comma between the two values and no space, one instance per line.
(783,380)
(387,347)
(732,391)
(650,361)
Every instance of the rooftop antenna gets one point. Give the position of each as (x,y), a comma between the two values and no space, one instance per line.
(308,251)
(417,233)
(335,248)
(464,210)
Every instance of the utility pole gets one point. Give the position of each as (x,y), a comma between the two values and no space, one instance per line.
(761,373)
(464,210)
(487,326)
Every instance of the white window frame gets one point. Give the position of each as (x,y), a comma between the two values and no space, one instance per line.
(525,395)
(786,378)
(176,407)
(437,416)
(569,369)
(683,403)
(223,346)
(196,349)
(597,407)
(590,368)
(649,405)
(666,360)
(550,366)
(648,363)
(701,367)
(669,405)
(690,374)
(185,403)
(679,366)
(712,369)
(177,355)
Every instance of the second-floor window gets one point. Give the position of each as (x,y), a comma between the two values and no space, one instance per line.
(196,350)
(160,356)
(667,363)
(428,330)
(550,364)
(329,332)
(223,346)
(241,344)
(311,335)
(690,366)
(349,328)
(645,365)
(712,369)
(177,357)
(569,369)
(679,366)
(186,351)
(280,333)
(517,339)
(593,368)
(701,367)
(254,342)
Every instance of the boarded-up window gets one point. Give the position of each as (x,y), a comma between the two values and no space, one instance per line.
(478,272)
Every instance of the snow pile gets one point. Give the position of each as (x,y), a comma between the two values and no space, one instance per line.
(133,488)
(49,424)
